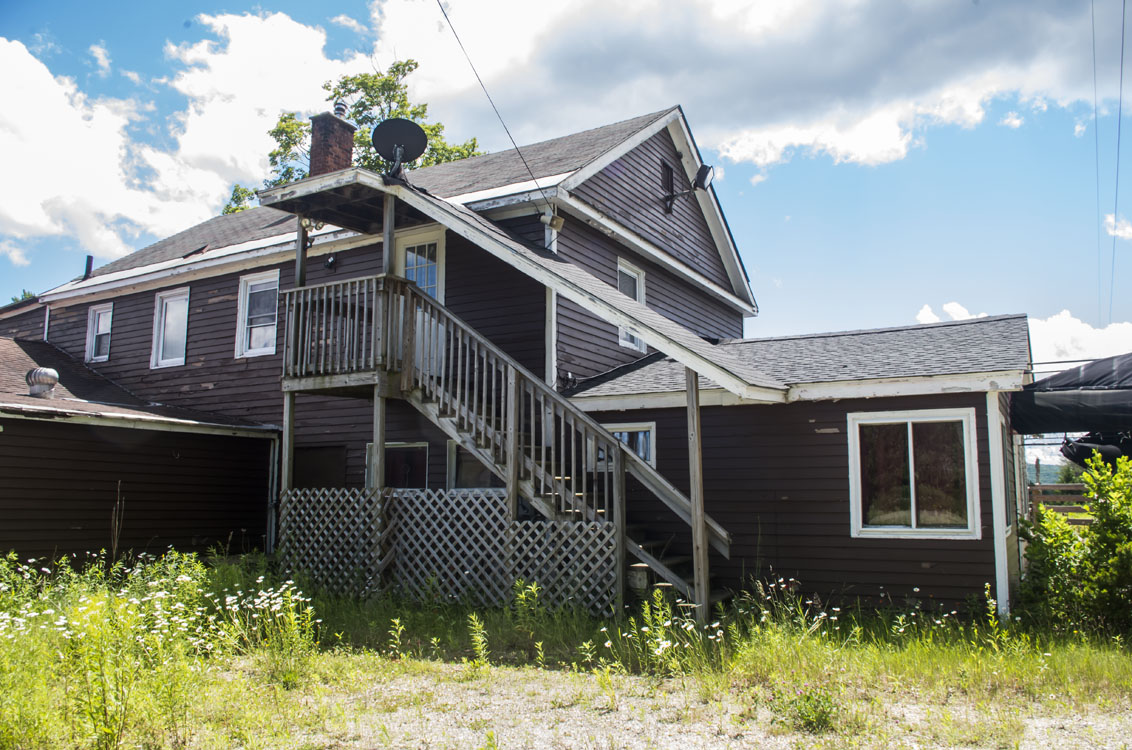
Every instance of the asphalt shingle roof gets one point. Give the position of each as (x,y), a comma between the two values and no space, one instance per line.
(81,390)
(547,158)
(958,347)
(217,232)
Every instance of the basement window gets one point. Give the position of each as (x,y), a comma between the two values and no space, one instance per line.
(914,474)
(98,319)
(257,314)
(631,283)
(170,328)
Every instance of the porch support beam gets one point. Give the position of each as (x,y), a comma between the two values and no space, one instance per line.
(387,221)
(301,243)
(696,495)
(377,455)
(619,524)
(287,459)
(513,457)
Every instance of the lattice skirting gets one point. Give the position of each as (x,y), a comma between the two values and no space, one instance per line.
(457,544)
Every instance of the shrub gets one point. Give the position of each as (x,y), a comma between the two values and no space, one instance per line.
(1081,576)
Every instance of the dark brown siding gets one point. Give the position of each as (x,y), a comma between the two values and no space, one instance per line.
(26,325)
(588,345)
(777,478)
(59,482)
(629,191)
(506,306)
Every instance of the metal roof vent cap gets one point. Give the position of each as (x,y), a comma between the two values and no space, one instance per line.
(41,382)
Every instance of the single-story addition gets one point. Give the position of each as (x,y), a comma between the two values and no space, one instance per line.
(86,465)
(890,470)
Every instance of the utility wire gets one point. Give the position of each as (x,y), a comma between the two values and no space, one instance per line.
(492,102)
(1116,196)
(1097,160)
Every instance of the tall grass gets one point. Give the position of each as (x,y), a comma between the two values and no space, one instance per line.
(163,652)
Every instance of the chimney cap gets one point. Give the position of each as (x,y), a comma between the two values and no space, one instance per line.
(340,109)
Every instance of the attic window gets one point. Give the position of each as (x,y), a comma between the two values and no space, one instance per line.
(667,185)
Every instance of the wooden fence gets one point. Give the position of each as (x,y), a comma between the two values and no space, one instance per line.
(446,545)
(1066,499)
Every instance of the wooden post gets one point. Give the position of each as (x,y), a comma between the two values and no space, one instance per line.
(377,455)
(300,254)
(512,418)
(387,249)
(408,345)
(288,451)
(696,487)
(618,518)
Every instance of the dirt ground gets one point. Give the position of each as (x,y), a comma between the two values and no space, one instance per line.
(455,706)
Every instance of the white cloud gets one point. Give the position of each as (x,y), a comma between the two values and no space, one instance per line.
(1079,128)
(956,311)
(1121,229)
(15,255)
(1064,337)
(101,59)
(758,177)
(718,172)
(1011,120)
(927,315)
(133,76)
(346,22)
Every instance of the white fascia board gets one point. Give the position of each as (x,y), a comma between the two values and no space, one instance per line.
(672,400)
(25,309)
(625,235)
(111,418)
(979,382)
(712,211)
(1007,380)
(280,248)
(601,162)
(522,191)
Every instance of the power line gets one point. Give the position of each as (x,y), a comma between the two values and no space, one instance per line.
(1097,160)
(1116,196)
(492,102)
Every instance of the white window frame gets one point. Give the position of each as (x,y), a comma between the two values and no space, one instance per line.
(971,458)
(649,427)
(156,360)
(624,337)
(92,315)
(412,238)
(242,314)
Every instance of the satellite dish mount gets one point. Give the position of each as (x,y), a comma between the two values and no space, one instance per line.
(399,141)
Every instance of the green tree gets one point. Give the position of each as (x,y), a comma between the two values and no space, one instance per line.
(370,98)
(24,294)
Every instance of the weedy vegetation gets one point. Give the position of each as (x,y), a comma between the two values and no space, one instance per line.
(179,652)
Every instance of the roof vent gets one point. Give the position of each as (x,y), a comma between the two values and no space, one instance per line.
(340,109)
(41,382)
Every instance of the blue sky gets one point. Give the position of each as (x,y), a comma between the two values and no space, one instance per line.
(880,164)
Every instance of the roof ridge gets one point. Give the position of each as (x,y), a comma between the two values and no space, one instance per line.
(652,117)
(869,331)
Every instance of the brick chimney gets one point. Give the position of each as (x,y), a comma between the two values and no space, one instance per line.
(332,141)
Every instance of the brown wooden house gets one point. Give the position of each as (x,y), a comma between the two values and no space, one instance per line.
(502,356)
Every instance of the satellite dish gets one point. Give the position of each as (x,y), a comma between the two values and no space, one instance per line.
(399,140)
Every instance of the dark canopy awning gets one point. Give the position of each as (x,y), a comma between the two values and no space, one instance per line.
(1096,397)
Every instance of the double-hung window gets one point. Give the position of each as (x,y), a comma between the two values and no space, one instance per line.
(420,258)
(914,474)
(257,314)
(631,283)
(98,319)
(170,328)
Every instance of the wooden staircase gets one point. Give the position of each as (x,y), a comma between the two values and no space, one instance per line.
(551,454)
